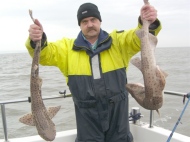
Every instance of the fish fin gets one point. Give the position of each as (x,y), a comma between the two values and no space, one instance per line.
(52,111)
(136,62)
(161,77)
(137,91)
(27,119)
(40,81)
(163,72)
(158,112)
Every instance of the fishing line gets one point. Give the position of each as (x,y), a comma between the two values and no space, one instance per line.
(188,96)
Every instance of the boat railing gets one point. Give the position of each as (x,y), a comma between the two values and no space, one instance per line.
(180,94)
(3,109)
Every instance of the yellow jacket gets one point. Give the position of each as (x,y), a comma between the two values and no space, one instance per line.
(124,45)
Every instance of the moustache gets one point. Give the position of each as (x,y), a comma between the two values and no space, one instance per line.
(89,29)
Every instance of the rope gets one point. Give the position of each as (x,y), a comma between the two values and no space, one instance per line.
(134,117)
(188,96)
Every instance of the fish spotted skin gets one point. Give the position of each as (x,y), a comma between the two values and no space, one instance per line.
(40,117)
(149,95)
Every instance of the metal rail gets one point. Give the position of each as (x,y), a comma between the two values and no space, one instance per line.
(179,94)
(3,110)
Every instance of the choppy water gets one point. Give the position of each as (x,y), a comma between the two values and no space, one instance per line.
(15,78)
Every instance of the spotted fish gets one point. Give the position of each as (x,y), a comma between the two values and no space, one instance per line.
(149,95)
(40,116)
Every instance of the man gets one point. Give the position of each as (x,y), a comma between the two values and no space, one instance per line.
(95,67)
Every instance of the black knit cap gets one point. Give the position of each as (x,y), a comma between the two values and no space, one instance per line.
(88,10)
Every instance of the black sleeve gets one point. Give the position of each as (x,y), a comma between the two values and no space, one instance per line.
(43,42)
(152,26)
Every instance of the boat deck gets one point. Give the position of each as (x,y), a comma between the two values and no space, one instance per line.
(141,133)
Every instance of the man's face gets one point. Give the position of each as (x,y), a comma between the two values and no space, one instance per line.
(90,27)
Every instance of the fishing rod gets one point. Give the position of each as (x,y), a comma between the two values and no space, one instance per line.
(188,96)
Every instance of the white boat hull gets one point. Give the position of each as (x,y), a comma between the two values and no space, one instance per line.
(141,133)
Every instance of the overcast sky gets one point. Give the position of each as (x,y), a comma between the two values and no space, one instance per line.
(59,20)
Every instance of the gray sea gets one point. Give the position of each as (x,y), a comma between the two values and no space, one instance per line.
(15,85)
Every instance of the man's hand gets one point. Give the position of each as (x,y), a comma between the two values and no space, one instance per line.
(148,13)
(35,31)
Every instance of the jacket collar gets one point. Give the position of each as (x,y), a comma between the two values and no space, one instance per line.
(81,44)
